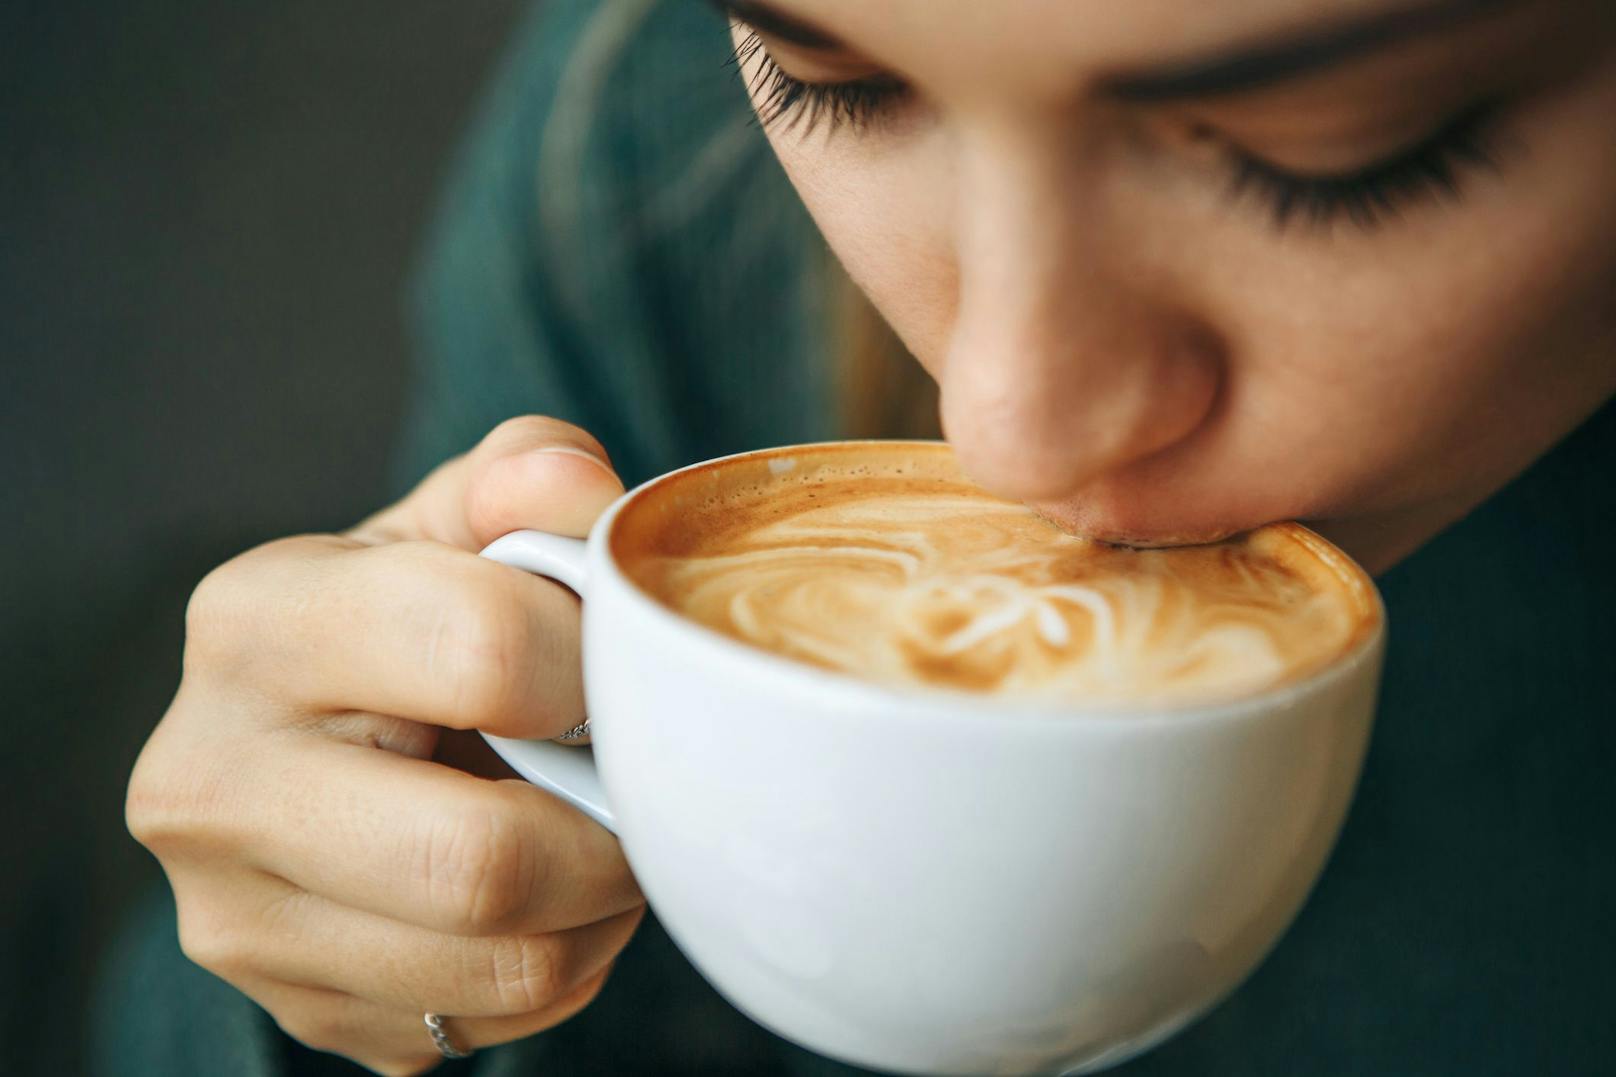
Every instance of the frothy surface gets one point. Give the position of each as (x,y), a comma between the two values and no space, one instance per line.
(893,568)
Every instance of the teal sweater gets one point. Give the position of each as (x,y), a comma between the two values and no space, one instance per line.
(635,262)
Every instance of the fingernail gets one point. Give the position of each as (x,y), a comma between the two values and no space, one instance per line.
(572,450)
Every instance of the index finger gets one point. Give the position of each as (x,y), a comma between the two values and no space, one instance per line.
(416,630)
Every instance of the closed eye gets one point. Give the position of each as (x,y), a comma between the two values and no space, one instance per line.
(1432,169)
(784,100)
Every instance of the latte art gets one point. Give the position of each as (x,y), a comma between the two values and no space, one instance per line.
(926,581)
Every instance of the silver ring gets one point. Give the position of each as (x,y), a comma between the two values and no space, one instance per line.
(440,1038)
(579,730)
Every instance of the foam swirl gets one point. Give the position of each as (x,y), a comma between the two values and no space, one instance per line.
(950,588)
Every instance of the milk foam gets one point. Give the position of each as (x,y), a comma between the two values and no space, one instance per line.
(945,587)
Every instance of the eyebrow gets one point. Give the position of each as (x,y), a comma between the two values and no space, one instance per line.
(1248,67)
(1252,67)
(775,23)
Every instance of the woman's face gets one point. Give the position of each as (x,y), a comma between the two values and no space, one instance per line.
(1183,268)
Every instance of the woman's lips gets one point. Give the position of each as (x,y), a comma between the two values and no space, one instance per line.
(1084,520)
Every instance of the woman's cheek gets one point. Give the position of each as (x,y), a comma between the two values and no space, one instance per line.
(886,208)
(1494,311)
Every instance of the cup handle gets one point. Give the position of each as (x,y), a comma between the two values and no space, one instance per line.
(569,773)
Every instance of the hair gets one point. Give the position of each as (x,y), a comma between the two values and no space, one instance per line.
(881,390)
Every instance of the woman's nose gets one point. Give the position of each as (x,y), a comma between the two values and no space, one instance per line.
(1065,363)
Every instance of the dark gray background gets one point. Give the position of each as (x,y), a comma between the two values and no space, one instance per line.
(207,211)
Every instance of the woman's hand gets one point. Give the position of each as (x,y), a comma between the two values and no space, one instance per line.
(321,860)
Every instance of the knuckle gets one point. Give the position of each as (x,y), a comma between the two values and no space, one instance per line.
(527,972)
(161,803)
(210,944)
(488,647)
(485,503)
(212,613)
(148,810)
(479,639)
(481,872)
(150,814)
(225,615)
(181,800)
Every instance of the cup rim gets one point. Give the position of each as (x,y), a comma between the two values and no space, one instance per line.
(937,704)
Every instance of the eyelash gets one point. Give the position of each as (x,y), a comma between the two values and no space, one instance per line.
(793,103)
(1431,170)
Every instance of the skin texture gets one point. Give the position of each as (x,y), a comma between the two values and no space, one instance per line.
(341,849)
(1117,340)
(1150,360)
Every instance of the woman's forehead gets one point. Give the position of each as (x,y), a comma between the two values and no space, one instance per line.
(1083,40)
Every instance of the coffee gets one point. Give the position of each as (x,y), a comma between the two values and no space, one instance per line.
(882,561)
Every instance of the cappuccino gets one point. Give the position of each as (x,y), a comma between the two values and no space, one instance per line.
(883,562)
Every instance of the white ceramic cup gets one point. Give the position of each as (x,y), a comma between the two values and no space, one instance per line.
(930,882)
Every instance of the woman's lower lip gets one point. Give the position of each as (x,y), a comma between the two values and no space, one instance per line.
(1077,523)
(1149,542)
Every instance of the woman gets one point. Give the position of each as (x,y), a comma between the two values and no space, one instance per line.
(1176,269)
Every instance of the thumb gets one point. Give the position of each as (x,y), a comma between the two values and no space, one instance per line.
(529,472)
